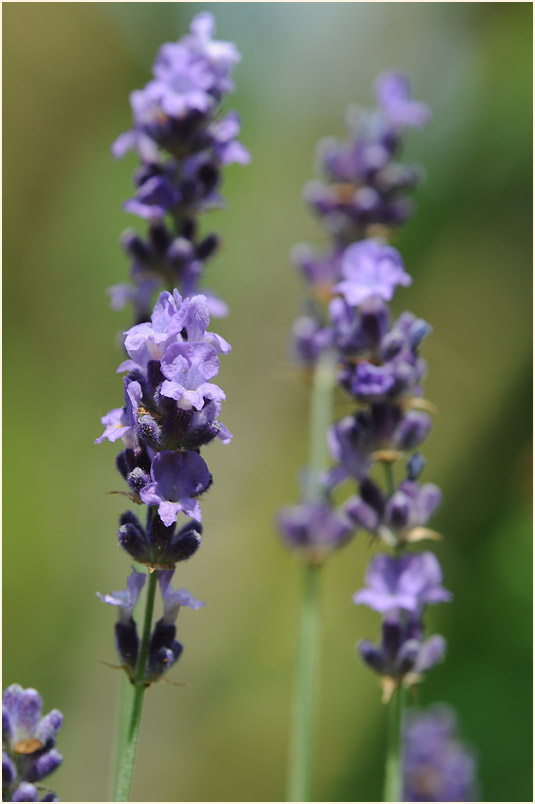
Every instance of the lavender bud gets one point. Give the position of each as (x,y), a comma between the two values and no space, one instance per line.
(372,495)
(207,247)
(159,238)
(372,656)
(413,429)
(397,511)
(138,479)
(179,252)
(127,642)
(134,245)
(407,657)
(8,770)
(415,466)
(44,765)
(25,792)
(132,537)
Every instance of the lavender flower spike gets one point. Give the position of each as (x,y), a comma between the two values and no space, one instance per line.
(28,740)
(184,142)
(347,336)
(171,409)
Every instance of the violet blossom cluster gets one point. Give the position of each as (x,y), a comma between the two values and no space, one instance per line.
(183,140)
(171,404)
(436,765)
(346,312)
(380,367)
(28,745)
(364,192)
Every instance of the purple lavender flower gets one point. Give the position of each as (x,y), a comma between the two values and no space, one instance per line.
(177,478)
(400,588)
(173,321)
(369,269)
(183,141)
(121,422)
(28,740)
(170,405)
(371,382)
(189,78)
(365,186)
(227,149)
(310,339)
(197,60)
(317,269)
(126,600)
(164,649)
(314,527)
(399,518)
(393,94)
(347,332)
(187,368)
(403,656)
(354,441)
(126,636)
(359,330)
(409,583)
(437,766)
(166,258)
(159,546)
(174,599)
(154,198)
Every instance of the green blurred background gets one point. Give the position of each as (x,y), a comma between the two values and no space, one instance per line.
(68,69)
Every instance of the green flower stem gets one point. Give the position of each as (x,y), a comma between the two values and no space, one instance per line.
(304,715)
(389,473)
(300,776)
(132,705)
(393,781)
(123,719)
(321,414)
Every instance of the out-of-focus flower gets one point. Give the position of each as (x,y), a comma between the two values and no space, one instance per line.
(436,765)
(28,745)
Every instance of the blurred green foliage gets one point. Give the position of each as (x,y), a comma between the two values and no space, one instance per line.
(68,68)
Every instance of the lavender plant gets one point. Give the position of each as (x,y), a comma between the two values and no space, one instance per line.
(346,337)
(437,766)
(171,408)
(28,745)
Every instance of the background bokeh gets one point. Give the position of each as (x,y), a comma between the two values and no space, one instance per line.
(68,69)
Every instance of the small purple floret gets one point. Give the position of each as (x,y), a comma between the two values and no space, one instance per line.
(28,739)
(174,599)
(393,93)
(436,765)
(314,525)
(187,368)
(407,583)
(370,268)
(126,599)
(177,478)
